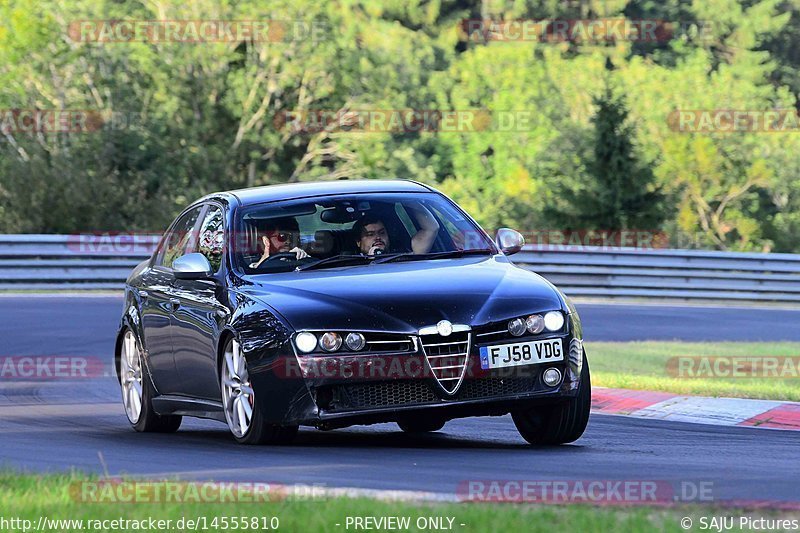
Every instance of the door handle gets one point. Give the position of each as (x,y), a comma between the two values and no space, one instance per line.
(174,303)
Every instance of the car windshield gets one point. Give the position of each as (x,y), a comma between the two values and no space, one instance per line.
(340,231)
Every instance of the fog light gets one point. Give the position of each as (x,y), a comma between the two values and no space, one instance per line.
(330,342)
(535,324)
(554,321)
(355,341)
(552,377)
(516,327)
(306,342)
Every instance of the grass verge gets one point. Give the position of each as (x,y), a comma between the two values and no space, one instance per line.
(645,366)
(26,497)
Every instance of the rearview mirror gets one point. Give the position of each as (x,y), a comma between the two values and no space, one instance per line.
(192,266)
(509,241)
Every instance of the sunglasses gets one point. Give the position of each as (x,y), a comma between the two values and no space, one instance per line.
(281,236)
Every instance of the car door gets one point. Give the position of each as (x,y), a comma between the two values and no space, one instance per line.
(198,315)
(157,303)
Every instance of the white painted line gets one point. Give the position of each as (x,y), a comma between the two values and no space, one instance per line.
(38,410)
(62,294)
(717,411)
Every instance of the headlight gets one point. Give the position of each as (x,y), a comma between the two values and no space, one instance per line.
(355,341)
(554,321)
(330,342)
(517,327)
(535,324)
(306,342)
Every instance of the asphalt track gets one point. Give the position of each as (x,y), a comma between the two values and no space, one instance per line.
(59,425)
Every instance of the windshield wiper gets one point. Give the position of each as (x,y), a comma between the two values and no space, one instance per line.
(433,255)
(335,260)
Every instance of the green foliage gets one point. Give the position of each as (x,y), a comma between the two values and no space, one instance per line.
(620,192)
(183,119)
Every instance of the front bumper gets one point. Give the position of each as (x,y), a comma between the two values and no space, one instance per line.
(497,399)
(337,400)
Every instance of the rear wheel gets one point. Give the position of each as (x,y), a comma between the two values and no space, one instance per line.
(421,425)
(138,391)
(241,409)
(561,423)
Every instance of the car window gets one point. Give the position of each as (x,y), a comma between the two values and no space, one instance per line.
(311,223)
(462,234)
(318,229)
(179,239)
(211,237)
(405,218)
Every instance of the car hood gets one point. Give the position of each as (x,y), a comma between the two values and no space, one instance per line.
(404,297)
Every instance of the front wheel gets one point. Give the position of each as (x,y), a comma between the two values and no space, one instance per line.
(241,409)
(138,391)
(560,423)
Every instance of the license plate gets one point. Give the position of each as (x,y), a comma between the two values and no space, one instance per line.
(521,353)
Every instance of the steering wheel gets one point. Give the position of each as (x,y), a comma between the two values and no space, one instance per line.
(280,257)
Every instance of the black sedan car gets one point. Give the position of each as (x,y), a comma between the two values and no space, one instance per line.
(341,303)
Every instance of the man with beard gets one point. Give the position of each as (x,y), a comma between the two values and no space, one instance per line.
(372,238)
(280,236)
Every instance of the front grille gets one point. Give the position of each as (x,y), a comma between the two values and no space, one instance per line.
(488,387)
(417,392)
(384,394)
(388,343)
(447,357)
(493,334)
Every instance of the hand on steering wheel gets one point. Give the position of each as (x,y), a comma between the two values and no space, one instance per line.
(279,257)
(295,253)
(284,256)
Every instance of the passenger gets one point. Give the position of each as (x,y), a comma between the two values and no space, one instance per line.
(373,239)
(280,236)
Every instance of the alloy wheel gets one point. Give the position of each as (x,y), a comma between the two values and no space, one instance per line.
(131,377)
(237,394)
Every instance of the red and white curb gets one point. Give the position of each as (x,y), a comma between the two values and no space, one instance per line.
(697,409)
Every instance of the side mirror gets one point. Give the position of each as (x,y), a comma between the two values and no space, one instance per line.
(509,241)
(192,266)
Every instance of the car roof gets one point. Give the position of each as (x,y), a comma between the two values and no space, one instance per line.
(290,191)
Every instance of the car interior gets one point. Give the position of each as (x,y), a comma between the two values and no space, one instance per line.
(328,230)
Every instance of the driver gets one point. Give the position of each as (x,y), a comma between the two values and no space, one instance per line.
(373,239)
(280,236)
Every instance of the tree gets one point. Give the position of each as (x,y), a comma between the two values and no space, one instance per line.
(619,190)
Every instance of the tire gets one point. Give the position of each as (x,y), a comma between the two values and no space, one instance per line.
(561,423)
(242,413)
(425,425)
(138,391)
